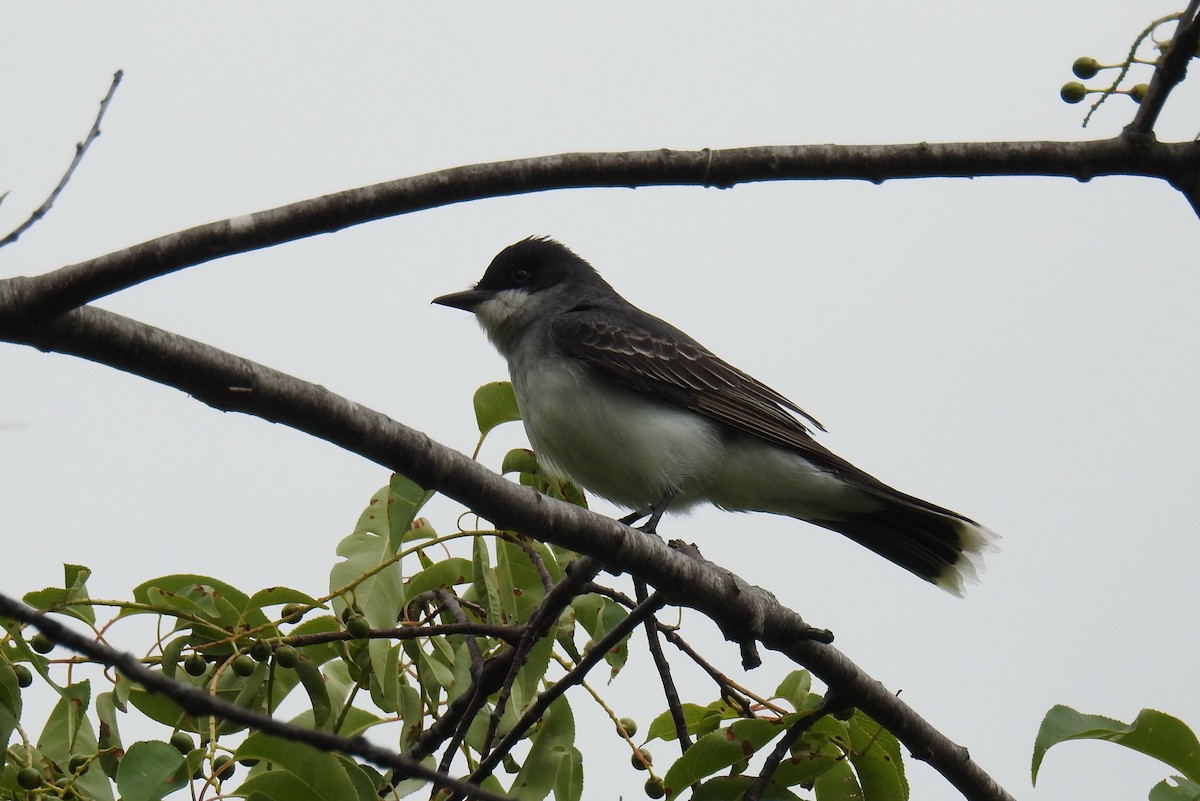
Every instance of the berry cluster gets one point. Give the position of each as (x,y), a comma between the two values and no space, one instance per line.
(1086,67)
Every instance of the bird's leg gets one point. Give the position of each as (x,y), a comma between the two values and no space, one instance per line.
(651,525)
(634,516)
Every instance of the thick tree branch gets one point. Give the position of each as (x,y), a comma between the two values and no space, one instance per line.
(77,284)
(232,383)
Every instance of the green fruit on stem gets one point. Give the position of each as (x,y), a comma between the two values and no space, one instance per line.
(182,741)
(29,778)
(244,665)
(195,664)
(77,762)
(260,651)
(223,766)
(654,787)
(291,613)
(641,760)
(1085,67)
(1138,93)
(358,627)
(629,725)
(1072,92)
(24,676)
(41,643)
(286,656)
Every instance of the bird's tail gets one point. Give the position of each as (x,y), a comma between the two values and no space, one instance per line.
(940,546)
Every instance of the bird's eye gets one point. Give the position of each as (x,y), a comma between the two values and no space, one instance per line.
(520,276)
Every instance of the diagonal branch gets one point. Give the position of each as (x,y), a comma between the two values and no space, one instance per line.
(1170,72)
(81,148)
(75,285)
(236,384)
(197,701)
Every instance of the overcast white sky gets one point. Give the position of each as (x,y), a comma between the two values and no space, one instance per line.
(1022,350)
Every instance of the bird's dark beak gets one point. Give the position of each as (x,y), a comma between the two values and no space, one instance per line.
(466,300)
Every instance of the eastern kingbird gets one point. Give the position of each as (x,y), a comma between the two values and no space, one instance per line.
(636,411)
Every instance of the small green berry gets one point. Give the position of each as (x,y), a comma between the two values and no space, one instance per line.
(195,664)
(1072,92)
(291,613)
(29,778)
(182,741)
(41,643)
(1085,67)
(260,651)
(358,627)
(77,762)
(1138,93)
(641,760)
(24,676)
(286,656)
(654,787)
(629,725)
(223,766)
(244,665)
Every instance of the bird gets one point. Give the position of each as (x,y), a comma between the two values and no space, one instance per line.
(635,411)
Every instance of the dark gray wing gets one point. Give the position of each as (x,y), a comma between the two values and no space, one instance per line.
(645,354)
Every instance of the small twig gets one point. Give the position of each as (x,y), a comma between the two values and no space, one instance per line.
(198,702)
(539,564)
(664,671)
(578,574)
(830,704)
(450,600)
(80,149)
(509,634)
(593,657)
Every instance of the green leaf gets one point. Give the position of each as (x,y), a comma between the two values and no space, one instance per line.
(495,403)
(110,735)
(273,596)
(68,732)
(837,784)
(554,742)
(733,788)
(700,720)
(299,772)
(445,573)
(1153,733)
(519,460)
(380,596)
(150,770)
(68,598)
(1182,790)
(318,693)
(10,707)
(733,745)
(796,689)
(876,758)
(568,784)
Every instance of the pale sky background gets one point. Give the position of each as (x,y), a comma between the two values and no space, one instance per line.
(1021,350)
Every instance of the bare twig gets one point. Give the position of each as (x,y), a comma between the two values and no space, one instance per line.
(196,701)
(593,657)
(80,149)
(831,703)
(664,671)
